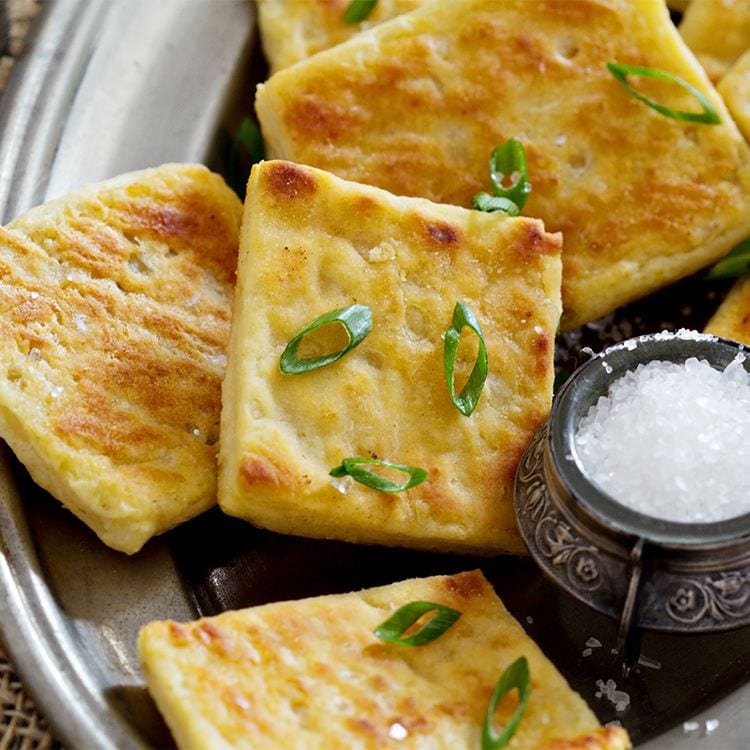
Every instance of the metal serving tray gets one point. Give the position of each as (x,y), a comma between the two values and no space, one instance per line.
(116,85)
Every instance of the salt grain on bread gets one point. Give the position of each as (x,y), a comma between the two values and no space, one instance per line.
(416,105)
(311,674)
(312,243)
(114,311)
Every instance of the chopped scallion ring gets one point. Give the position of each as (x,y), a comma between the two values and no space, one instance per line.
(358,10)
(353,467)
(515,676)
(249,136)
(735,263)
(357,322)
(708,116)
(393,629)
(491,203)
(466,401)
(508,160)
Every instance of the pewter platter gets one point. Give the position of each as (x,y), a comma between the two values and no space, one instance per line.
(116,85)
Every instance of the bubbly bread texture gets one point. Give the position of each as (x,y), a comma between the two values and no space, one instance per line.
(311,674)
(312,243)
(292,30)
(732,319)
(718,32)
(735,88)
(417,104)
(115,308)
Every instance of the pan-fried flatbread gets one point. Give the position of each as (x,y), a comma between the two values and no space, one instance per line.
(735,88)
(732,319)
(718,32)
(311,674)
(114,310)
(312,243)
(416,105)
(292,30)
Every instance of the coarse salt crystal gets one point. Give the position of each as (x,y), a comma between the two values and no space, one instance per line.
(712,725)
(586,652)
(594,643)
(619,698)
(342,484)
(80,321)
(398,731)
(666,436)
(647,661)
(530,620)
(690,726)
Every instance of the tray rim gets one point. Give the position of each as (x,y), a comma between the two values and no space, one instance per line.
(33,112)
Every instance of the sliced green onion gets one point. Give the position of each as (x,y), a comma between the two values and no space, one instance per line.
(491,203)
(466,401)
(248,135)
(708,116)
(353,467)
(508,160)
(358,10)
(393,629)
(515,676)
(244,149)
(357,322)
(735,263)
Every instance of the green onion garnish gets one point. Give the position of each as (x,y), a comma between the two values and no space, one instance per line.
(357,322)
(621,72)
(515,676)
(735,263)
(509,160)
(393,629)
(358,10)
(244,149)
(466,401)
(491,203)
(353,467)
(248,135)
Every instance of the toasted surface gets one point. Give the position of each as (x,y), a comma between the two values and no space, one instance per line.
(416,105)
(718,32)
(114,310)
(732,319)
(735,88)
(311,674)
(312,243)
(292,30)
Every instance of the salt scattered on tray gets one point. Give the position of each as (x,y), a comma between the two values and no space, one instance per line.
(667,436)
(712,725)
(619,698)
(647,661)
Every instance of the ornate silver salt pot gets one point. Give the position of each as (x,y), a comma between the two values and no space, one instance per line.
(646,572)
